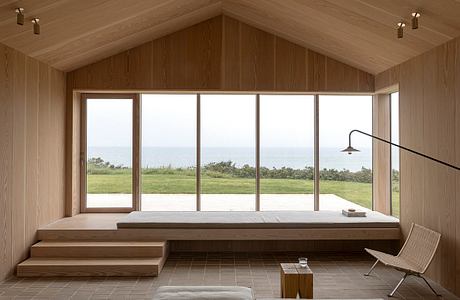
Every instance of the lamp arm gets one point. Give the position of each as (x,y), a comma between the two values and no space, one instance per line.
(402,147)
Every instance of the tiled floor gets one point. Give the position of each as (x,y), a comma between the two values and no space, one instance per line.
(335,276)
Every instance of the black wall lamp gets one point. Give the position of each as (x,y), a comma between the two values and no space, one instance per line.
(350,149)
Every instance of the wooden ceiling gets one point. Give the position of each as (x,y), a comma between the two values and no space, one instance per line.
(358,32)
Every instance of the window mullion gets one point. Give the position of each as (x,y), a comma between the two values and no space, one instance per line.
(316,154)
(198,152)
(257,152)
(136,152)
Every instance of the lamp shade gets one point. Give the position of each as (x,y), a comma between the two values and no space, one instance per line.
(350,150)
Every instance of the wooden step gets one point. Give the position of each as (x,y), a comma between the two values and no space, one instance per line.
(36,267)
(93,249)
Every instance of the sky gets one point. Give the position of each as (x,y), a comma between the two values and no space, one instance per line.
(169,120)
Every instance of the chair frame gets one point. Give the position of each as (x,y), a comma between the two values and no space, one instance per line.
(409,272)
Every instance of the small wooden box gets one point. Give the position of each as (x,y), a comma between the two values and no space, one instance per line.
(296,280)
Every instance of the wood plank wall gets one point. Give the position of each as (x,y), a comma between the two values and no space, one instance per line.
(32,124)
(429,88)
(221,54)
(381,153)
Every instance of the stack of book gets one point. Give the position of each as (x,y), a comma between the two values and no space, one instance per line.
(353,213)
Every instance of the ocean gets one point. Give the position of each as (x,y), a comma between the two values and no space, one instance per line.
(297,158)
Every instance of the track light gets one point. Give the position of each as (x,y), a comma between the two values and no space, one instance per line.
(415,17)
(36,25)
(400,29)
(20,16)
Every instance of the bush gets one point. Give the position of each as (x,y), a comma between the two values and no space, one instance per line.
(228,169)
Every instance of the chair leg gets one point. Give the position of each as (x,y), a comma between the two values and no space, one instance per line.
(426,281)
(372,268)
(398,285)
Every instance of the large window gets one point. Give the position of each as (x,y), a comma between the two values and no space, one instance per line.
(286,152)
(345,180)
(395,206)
(228,152)
(186,152)
(109,152)
(168,152)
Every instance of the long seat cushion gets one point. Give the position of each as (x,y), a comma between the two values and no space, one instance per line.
(203,293)
(254,219)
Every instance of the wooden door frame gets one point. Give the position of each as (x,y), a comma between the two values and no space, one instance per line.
(136,144)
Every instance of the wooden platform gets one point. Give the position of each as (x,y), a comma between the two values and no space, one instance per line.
(92,245)
(103,227)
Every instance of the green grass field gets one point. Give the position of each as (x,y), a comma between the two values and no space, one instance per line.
(184,183)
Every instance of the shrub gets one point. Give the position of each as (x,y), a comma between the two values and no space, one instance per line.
(228,169)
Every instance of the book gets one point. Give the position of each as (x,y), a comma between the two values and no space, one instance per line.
(353,213)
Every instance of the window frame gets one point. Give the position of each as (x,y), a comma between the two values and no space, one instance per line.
(137,148)
(135,152)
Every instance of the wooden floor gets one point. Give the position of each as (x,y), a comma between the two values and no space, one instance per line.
(335,276)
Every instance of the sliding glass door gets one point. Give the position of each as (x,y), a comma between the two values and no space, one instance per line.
(286,152)
(345,180)
(107,182)
(168,123)
(228,152)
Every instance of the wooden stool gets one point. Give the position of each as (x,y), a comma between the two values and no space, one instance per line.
(296,280)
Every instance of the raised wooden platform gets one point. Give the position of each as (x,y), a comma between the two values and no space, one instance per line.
(92,245)
(103,227)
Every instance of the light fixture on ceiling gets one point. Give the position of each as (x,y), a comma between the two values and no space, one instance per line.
(36,21)
(20,16)
(415,17)
(400,29)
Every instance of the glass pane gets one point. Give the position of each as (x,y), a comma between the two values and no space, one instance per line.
(228,152)
(345,180)
(286,152)
(109,153)
(395,155)
(168,152)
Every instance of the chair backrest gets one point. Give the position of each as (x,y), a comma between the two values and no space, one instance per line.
(420,247)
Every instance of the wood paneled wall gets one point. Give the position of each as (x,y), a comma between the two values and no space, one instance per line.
(381,153)
(32,128)
(429,93)
(221,54)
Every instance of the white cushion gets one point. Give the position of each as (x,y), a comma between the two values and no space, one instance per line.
(203,293)
(253,219)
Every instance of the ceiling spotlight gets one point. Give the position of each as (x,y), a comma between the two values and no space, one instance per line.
(36,25)
(20,16)
(400,29)
(415,17)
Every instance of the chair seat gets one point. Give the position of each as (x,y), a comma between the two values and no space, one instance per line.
(394,261)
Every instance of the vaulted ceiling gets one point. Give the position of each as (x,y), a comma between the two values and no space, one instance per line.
(358,32)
